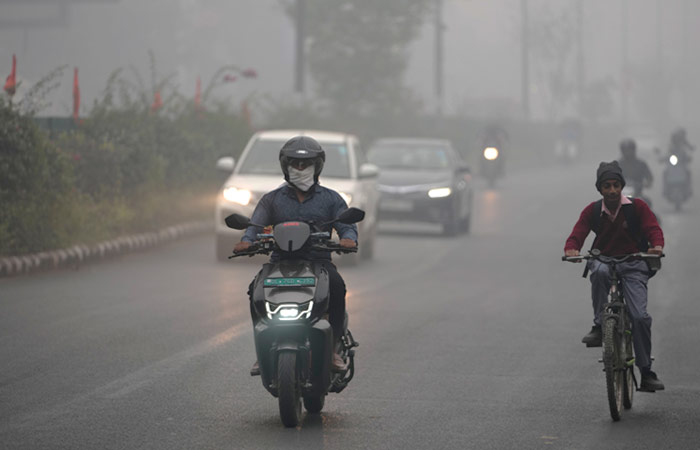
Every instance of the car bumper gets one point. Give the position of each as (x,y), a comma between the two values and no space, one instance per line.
(420,209)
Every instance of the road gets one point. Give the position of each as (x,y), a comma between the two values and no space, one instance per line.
(468,342)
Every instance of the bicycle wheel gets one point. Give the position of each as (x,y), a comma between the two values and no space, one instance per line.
(628,393)
(614,373)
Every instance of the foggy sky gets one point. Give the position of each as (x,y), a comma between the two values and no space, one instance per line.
(482,63)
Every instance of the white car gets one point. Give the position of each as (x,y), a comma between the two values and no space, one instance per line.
(258,171)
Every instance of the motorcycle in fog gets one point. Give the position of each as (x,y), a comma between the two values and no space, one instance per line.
(294,340)
(491,166)
(677,184)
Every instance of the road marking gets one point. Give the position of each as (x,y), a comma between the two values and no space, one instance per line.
(134,381)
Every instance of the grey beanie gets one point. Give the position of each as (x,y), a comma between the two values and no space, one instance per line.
(609,171)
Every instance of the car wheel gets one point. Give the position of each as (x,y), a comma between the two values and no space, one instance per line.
(451,226)
(466,224)
(367,249)
(224,248)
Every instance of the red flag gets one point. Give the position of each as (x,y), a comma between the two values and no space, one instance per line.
(229,78)
(157,102)
(11,82)
(249,73)
(198,94)
(76,96)
(245,112)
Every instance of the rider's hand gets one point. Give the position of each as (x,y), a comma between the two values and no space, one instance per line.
(572,252)
(658,250)
(241,246)
(348,243)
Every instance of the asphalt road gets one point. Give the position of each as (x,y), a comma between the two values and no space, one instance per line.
(468,342)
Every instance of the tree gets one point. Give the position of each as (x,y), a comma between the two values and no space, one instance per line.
(357,52)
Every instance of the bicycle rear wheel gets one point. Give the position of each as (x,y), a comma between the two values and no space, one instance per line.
(614,372)
(630,385)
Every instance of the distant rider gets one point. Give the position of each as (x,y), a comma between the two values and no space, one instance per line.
(302,198)
(636,170)
(614,238)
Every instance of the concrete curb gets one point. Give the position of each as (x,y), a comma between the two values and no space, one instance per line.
(78,255)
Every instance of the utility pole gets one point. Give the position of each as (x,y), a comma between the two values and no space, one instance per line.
(300,39)
(580,60)
(661,92)
(685,67)
(525,55)
(624,69)
(439,30)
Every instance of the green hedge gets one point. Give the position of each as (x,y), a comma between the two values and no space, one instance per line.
(122,170)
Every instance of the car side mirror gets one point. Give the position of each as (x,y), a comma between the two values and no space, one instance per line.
(368,170)
(237,221)
(463,168)
(226,164)
(351,215)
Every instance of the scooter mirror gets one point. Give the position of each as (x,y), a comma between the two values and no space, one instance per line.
(237,222)
(351,215)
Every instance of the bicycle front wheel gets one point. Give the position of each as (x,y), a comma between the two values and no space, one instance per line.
(614,371)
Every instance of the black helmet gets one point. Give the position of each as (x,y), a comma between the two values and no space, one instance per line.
(302,147)
(628,148)
(679,136)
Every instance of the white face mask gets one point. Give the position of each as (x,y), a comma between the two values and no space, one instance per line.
(302,179)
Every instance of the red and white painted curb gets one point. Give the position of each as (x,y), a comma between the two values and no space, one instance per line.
(81,254)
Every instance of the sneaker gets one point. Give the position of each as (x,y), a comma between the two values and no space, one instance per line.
(650,382)
(594,338)
(255,370)
(338,365)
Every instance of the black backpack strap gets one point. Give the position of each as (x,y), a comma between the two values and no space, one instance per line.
(633,226)
(595,226)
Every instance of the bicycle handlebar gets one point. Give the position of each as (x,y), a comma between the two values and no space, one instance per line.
(616,259)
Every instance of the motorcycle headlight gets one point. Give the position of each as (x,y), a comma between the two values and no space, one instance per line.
(289,311)
(346,197)
(673,160)
(235,195)
(439,192)
(490,153)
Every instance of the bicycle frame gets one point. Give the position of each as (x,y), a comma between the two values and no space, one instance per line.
(616,323)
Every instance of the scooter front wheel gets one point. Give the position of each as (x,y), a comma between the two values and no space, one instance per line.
(288,389)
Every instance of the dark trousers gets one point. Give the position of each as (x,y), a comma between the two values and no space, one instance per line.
(336,306)
(634,275)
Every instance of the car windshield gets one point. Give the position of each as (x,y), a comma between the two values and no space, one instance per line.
(411,156)
(263,159)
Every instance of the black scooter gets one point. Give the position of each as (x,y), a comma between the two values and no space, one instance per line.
(294,340)
(677,185)
(491,162)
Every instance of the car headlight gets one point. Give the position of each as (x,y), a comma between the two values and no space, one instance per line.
(490,153)
(346,197)
(235,195)
(673,160)
(289,311)
(439,192)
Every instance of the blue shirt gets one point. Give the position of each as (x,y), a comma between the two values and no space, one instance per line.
(320,205)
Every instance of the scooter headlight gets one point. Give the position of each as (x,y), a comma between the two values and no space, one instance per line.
(490,153)
(289,311)
(673,159)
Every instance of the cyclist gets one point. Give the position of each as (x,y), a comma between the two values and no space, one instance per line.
(622,226)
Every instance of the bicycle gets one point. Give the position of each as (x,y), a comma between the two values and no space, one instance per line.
(618,349)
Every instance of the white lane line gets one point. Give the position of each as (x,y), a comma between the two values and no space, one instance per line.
(131,382)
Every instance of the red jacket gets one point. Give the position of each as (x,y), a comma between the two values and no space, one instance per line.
(614,238)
